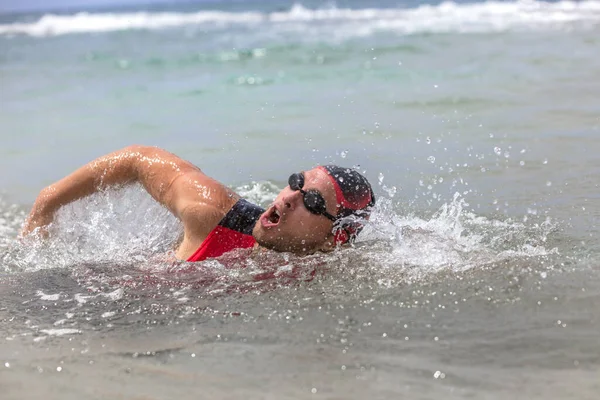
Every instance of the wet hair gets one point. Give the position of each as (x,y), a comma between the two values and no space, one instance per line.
(355,199)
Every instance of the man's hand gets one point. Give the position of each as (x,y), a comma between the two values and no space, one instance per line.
(41,215)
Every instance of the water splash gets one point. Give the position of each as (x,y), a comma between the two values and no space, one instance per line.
(122,237)
(11,219)
(261,193)
(453,239)
(121,226)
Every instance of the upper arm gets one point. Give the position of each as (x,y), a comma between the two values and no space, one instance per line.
(199,201)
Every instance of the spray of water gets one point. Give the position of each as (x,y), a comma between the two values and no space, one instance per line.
(120,226)
(126,227)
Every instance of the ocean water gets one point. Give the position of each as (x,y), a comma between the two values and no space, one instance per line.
(477,124)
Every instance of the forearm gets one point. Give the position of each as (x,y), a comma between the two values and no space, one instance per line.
(157,170)
(113,169)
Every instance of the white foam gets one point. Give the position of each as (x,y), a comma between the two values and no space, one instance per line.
(48,297)
(258,192)
(453,238)
(60,332)
(489,16)
(114,295)
(117,226)
(81,299)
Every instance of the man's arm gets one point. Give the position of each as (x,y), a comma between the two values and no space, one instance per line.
(189,194)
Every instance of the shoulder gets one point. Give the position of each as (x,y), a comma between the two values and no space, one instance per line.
(202,202)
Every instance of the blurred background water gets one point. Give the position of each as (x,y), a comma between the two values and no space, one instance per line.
(476,122)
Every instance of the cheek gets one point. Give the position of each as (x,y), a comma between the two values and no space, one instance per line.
(314,229)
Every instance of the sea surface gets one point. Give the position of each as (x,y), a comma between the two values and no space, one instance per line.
(478,276)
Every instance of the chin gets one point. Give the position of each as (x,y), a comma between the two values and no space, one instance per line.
(282,244)
(282,241)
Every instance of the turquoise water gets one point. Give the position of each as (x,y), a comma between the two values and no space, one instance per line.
(476,122)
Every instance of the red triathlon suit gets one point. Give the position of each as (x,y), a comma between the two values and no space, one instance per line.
(233,232)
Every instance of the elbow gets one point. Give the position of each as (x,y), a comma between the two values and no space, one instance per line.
(137,149)
(133,154)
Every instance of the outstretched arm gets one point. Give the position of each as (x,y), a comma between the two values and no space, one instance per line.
(173,182)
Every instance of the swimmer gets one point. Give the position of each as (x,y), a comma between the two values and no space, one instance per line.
(319,209)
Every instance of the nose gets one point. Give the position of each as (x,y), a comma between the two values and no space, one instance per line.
(290,201)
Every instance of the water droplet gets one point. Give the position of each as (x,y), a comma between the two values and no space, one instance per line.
(313,390)
(498,150)
(428,140)
(344,153)
(58,369)
(7,365)
(431,159)
(384,335)
(549,183)
(390,191)
(521,163)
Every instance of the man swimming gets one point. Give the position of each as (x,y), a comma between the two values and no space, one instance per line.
(319,209)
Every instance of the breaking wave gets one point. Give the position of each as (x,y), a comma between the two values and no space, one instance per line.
(491,16)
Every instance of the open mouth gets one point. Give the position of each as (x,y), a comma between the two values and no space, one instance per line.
(271,217)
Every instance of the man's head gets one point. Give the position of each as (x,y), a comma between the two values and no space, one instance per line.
(319,209)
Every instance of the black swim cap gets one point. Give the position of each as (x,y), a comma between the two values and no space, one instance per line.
(354,197)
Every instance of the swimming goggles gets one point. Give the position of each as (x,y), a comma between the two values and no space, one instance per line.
(313,200)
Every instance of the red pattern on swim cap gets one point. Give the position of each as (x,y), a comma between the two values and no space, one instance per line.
(352,190)
(353,195)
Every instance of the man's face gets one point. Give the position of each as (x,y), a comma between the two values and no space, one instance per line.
(287,225)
